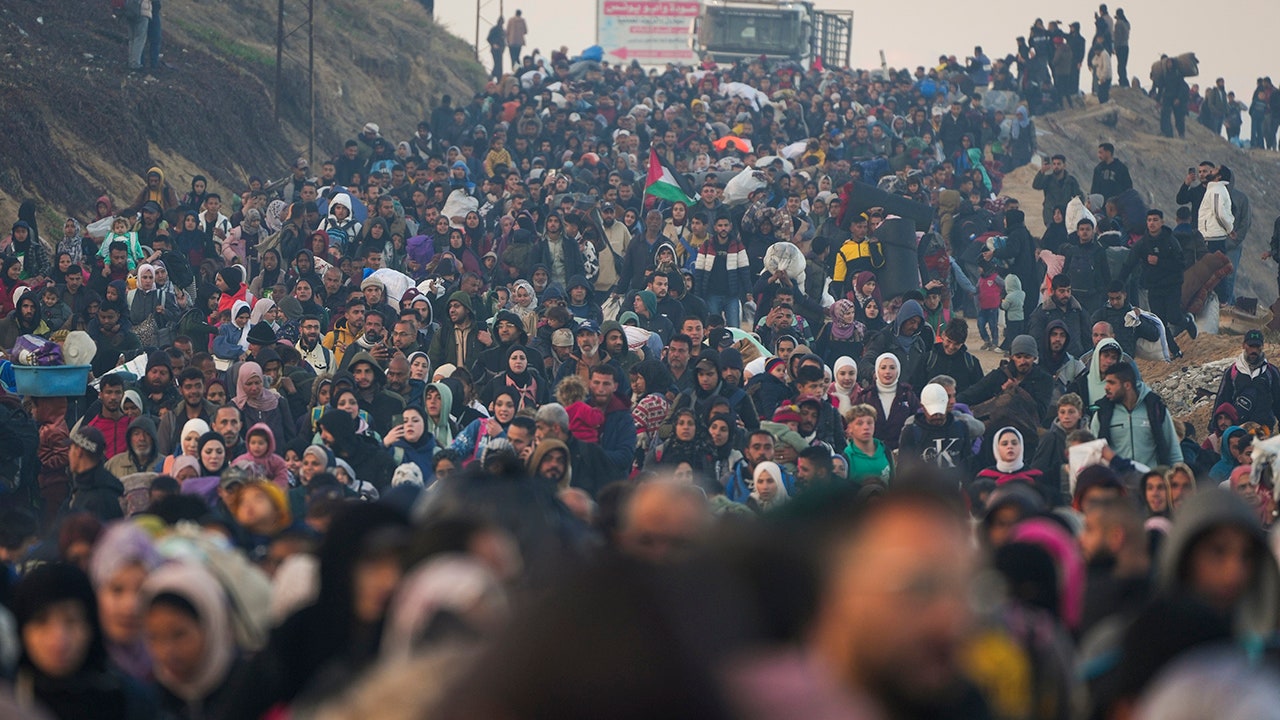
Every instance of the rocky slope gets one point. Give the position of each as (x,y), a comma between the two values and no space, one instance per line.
(74,124)
(1131,121)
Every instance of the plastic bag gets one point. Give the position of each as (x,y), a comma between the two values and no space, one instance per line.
(611,308)
(99,229)
(35,350)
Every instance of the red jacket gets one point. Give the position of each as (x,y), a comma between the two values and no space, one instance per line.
(116,433)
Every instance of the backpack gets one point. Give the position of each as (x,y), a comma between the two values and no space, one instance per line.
(338,237)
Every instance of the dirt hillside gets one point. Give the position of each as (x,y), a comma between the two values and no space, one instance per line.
(74,124)
(1131,121)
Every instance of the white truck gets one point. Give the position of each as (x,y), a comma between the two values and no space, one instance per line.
(778,29)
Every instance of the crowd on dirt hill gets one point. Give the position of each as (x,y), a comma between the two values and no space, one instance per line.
(614,393)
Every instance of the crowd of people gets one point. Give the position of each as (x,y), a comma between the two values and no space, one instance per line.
(477,425)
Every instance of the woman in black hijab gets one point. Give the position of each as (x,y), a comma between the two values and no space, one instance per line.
(519,376)
(321,648)
(64,660)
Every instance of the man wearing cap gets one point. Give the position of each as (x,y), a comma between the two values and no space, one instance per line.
(1060,305)
(645,306)
(370,381)
(93,489)
(616,239)
(260,337)
(562,344)
(459,342)
(291,191)
(935,437)
(375,300)
(589,353)
(1252,384)
(1020,374)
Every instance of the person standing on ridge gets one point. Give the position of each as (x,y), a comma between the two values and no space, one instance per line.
(516,31)
(497,39)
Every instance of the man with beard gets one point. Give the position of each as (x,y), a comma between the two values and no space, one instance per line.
(550,464)
(1060,305)
(109,419)
(893,615)
(24,320)
(618,434)
(313,352)
(381,404)
(1118,315)
(616,239)
(679,352)
(1251,384)
(1119,563)
(760,448)
(404,334)
(74,293)
(508,330)
(345,330)
(594,468)
(372,341)
(589,354)
(1055,360)
(638,260)
(156,386)
(117,268)
(1018,372)
(375,297)
(645,306)
(114,343)
(228,422)
(398,376)
(1134,421)
(334,283)
(192,406)
(615,343)
(459,341)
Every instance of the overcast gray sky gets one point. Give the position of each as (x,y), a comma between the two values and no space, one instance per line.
(1235,40)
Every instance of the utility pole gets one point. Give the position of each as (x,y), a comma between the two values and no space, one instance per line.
(282,36)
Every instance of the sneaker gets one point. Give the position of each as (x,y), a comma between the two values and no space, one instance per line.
(1192,330)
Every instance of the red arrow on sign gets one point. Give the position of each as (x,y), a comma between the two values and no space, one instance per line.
(620,52)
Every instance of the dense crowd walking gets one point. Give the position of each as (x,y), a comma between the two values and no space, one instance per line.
(614,393)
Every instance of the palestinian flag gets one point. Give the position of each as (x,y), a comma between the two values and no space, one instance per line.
(665,183)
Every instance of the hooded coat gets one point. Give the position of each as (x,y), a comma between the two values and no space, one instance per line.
(92,691)
(1256,613)
(126,462)
(910,352)
(1019,251)
(1073,318)
(272,465)
(321,648)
